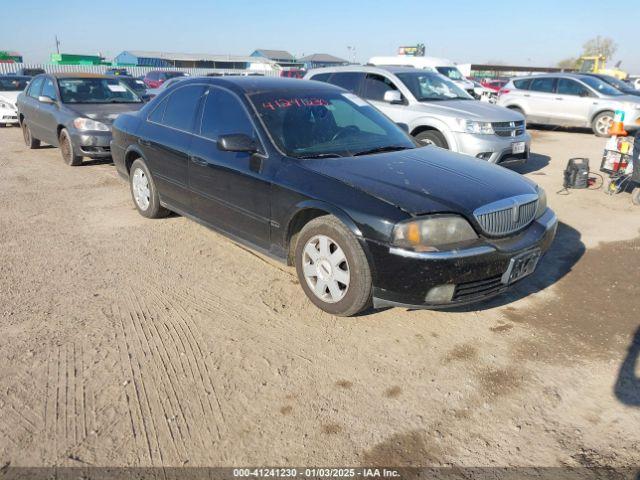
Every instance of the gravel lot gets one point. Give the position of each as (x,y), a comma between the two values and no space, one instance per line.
(127,341)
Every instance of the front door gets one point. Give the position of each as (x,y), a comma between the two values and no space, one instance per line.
(574,102)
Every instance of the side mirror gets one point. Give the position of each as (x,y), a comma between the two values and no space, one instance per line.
(403,126)
(393,96)
(237,142)
(48,100)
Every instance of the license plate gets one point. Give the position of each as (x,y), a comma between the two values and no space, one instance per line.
(520,266)
(517,147)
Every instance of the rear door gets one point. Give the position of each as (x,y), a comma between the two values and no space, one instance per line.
(48,113)
(230,190)
(30,106)
(165,138)
(575,102)
(541,100)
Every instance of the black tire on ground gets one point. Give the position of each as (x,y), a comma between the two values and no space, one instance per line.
(358,294)
(67,149)
(635,196)
(432,137)
(601,123)
(29,141)
(153,208)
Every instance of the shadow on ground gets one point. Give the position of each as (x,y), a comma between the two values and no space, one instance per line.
(535,163)
(627,387)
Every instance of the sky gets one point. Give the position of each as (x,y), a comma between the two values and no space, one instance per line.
(537,32)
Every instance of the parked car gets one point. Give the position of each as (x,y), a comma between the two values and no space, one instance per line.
(494,85)
(74,111)
(440,65)
(482,93)
(156,78)
(10,88)
(436,111)
(152,92)
(136,85)
(29,72)
(624,87)
(292,73)
(116,72)
(568,99)
(315,176)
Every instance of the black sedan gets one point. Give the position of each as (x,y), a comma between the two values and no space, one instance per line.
(313,175)
(74,111)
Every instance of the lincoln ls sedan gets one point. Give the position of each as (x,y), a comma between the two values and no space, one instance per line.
(315,176)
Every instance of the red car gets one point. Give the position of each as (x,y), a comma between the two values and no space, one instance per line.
(157,77)
(494,85)
(292,73)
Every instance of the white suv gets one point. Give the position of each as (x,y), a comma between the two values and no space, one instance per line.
(436,111)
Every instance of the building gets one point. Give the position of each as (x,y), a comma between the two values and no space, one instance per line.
(139,58)
(10,57)
(504,71)
(319,60)
(281,57)
(74,59)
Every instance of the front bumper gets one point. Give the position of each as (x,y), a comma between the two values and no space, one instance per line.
(493,148)
(92,144)
(404,278)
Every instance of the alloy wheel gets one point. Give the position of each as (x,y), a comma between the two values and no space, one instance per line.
(603,124)
(141,191)
(326,269)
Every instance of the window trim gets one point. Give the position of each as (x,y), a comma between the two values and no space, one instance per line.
(167,97)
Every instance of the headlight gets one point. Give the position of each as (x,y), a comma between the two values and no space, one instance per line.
(82,123)
(427,234)
(542,202)
(7,106)
(471,126)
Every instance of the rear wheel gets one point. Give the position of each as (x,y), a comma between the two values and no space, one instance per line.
(332,267)
(144,192)
(68,151)
(432,137)
(29,141)
(601,124)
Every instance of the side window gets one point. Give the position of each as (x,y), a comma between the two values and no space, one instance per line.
(158,112)
(542,84)
(347,80)
(35,87)
(571,87)
(180,111)
(375,87)
(223,114)
(49,89)
(522,84)
(321,77)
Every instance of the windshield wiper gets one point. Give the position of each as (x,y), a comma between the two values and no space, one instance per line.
(321,155)
(387,148)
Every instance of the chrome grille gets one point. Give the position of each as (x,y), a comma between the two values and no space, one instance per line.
(508,129)
(507,216)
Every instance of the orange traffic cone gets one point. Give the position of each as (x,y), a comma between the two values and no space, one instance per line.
(617,125)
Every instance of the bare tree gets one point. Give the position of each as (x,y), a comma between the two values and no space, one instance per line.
(570,62)
(600,46)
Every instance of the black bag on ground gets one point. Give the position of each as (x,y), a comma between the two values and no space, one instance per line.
(576,175)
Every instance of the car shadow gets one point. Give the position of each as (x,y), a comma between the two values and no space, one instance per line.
(555,128)
(566,250)
(96,161)
(627,387)
(535,163)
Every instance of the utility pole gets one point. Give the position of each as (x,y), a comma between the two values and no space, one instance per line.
(57,45)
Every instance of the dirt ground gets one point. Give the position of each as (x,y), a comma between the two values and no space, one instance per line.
(132,342)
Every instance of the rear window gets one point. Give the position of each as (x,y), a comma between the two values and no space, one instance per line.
(347,80)
(522,84)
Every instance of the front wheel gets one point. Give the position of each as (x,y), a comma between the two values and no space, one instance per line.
(602,123)
(29,141)
(68,150)
(332,267)
(144,192)
(432,137)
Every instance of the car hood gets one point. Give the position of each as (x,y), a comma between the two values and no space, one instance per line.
(11,97)
(425,180)
(469,110)
(104,113)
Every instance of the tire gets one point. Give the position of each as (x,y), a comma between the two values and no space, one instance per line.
(432,137)
(143,191)
(635,196)
(346,293)
(68,151)
(601,123)
(29,141)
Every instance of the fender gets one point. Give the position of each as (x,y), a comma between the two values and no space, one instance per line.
(329,208)
(436,124)
(122,169)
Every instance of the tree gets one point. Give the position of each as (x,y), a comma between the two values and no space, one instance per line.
(600,46)
(570,62)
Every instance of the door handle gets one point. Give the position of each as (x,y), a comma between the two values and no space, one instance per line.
(144,142)
(198,160)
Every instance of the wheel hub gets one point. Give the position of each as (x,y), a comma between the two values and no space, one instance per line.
(324,269)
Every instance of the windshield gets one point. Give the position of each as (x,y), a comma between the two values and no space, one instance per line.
(429,87)
(327,124)
(13,84)
(600,86)
(451,72)
(619,84)
(96,90)
(134,84)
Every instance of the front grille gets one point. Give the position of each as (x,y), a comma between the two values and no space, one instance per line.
(507,216)
(478,289)
(508,129)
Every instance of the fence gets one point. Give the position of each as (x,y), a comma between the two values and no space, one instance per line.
(134,71)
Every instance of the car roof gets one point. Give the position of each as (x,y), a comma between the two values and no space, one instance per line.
(78,75)
(254,84)
(577,76)
(369,69)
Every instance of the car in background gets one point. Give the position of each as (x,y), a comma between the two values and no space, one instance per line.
(482,93)
(292,73)
(136,85)
(436,111)
(74,111)
(156,78)
(624,87)
(570,100)
(316,177)
(494,85)
(153,92)
(116,72)
(10,87)
(29,72)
